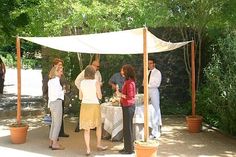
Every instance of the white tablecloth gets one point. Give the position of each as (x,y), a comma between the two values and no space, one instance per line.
(112,117)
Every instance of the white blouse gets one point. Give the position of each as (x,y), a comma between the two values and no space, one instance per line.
(89,92)
(55,90)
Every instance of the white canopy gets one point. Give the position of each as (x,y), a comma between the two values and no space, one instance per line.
(120,42)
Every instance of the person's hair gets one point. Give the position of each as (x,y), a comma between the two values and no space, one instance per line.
(129,72)
(89,72)
(1,62)
(152,59)
(54,72)
(95,63)
(56,61)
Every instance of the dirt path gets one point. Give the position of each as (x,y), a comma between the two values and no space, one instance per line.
(174,142)
(31,82)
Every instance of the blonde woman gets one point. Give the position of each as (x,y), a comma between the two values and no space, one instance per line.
(55,98)
(90,112)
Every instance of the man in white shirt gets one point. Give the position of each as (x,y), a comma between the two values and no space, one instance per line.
(154,81)
(98,75)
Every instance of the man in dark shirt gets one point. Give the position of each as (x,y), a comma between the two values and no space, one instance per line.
(117,80)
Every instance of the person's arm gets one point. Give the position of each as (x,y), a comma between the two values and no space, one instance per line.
(112,82)
(78,79)
(98,90)
(80,95)
(98,77)
(131,91)
(113,85)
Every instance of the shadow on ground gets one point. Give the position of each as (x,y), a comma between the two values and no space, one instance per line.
(174,142)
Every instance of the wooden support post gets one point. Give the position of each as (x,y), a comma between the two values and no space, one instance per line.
(193,78)
(145,84)
(18,117)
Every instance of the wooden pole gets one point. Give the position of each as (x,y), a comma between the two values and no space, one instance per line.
(193,78)
(145,84)
(18,117)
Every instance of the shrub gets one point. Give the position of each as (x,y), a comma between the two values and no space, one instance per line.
(216,99)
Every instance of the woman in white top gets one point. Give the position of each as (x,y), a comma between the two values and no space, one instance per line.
(90,112)
(55,97)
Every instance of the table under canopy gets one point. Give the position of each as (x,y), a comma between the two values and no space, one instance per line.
(113,121)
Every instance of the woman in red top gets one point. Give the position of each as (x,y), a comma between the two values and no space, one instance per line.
(128,108)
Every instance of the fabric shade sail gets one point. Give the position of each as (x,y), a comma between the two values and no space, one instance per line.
(120,42)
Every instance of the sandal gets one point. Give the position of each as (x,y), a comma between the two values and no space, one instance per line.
(102,148)
(88,153)
(58,148)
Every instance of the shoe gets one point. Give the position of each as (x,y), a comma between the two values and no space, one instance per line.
(102,148)
(125,152)
(64,135)
(88,154)
(152,137)
(121,151)
(58,148)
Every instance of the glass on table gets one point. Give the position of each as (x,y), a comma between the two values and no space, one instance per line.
(106,99)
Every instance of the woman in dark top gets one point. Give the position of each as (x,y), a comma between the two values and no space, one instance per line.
(128,108)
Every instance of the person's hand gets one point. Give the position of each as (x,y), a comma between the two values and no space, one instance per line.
(64,88)
(118,93)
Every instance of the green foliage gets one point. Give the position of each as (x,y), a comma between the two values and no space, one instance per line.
(169,107)
(73,104)
(216,99)
(10,22)
(31,63)
(8,60)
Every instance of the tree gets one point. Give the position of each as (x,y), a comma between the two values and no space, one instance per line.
(9,21)
(194,18)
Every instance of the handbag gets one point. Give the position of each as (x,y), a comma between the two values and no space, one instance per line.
(47,119)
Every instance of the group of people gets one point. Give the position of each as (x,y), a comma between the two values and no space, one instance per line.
(55,89)
(119,83)
(89,83)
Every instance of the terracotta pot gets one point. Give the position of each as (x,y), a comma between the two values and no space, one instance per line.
(18,134)
(194,123)
(146,150)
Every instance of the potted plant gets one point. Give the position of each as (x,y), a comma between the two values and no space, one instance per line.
(147,148)
(18,131)
(194,122)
